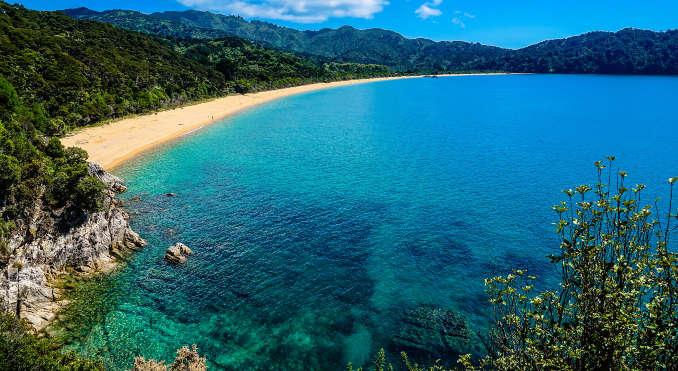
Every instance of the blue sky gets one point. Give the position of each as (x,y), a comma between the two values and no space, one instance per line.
(511,24)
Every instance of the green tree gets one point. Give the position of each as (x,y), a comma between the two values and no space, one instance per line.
(10,174)
(55,149)
(9,100)
(615,307)
(56,127)
(20,350)
(89,195)
(19,267)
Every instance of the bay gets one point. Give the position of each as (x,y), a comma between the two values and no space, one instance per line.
(319,220)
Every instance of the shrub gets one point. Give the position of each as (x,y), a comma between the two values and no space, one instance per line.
(10,174)
(243,87)
(22,351)
(615,307)
(55,149)
(9,100)
(186,360)
(55,127)
(76,155)
(5,229)
(89,195)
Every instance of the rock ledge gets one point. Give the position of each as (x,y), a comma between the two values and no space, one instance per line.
(51,243)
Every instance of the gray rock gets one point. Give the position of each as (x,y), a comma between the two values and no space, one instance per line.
(104,177)
(52,243)
(177,253)
(118,188)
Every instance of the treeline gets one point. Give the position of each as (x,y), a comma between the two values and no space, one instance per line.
(342,45)
(252,67)
(627,52)
(140,22)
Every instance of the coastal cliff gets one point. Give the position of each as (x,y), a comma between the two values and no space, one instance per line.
(53,242)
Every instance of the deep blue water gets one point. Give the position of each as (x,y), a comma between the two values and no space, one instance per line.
(317,219)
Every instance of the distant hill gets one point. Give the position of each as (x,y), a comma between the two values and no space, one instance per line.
(140,22)
(628,51)
(345,44)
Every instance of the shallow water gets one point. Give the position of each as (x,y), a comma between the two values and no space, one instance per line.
(317,219)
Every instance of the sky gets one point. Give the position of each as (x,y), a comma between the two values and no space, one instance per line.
(513,24)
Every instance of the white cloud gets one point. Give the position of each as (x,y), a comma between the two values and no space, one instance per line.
(458,21)
(301,11)
(427,9)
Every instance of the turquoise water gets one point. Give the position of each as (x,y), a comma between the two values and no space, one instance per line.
(318,219)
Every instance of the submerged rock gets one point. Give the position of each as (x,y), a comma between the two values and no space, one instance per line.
(428,331)
(177,253)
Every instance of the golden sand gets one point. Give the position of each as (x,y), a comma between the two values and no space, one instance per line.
(111,144)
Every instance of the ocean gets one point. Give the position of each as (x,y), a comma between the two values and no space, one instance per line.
(327,225)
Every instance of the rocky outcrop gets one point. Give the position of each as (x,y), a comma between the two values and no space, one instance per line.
(101,174)
(177,253)
(51,243)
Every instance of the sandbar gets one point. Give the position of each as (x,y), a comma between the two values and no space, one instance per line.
(111,144)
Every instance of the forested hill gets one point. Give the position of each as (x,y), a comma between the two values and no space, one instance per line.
(140,22)
(345,44)
(78,72)
(626,52)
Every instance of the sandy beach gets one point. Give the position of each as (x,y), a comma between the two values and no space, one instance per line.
(111,144)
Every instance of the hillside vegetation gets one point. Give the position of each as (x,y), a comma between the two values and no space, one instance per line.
(140,22)
(72,72)
(342,45)
(253,67)
(20,350)
(628,51)
(79,72)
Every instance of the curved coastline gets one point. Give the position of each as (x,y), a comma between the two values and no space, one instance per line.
(112,144)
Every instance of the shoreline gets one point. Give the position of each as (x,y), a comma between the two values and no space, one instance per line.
(112,144)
